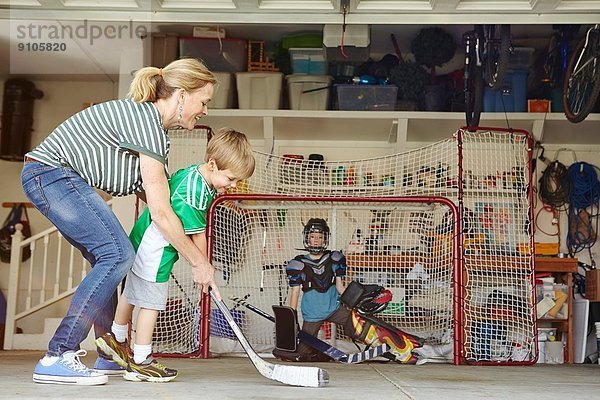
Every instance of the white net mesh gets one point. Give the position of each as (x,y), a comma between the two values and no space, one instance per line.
(497,274)
(406,247)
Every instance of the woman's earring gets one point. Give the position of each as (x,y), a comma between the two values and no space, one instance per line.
(180,115)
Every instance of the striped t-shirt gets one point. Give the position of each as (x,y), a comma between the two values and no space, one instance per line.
(191,196)
(102,142)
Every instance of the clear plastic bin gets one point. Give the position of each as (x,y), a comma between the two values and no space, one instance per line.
(308,92)
(259,90)
(366,97)
(225,55)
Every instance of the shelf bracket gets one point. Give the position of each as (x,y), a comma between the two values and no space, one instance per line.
(268,135)
(537,129)
(400,135)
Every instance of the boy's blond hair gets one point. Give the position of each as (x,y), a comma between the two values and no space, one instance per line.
(231,150)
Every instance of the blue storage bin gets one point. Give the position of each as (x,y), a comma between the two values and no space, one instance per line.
(512,95)
(308,61)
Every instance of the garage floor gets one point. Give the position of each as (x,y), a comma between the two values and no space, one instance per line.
(236,378)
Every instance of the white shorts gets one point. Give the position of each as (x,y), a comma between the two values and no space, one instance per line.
(145,294)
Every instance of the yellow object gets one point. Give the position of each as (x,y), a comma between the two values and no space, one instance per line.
(546,249)
(560,297)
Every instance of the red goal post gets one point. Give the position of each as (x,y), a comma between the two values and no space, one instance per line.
(251,238)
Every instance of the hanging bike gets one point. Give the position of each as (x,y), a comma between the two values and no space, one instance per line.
(487,51)
(582,77)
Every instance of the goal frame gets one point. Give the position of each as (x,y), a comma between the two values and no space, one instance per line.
(204,350)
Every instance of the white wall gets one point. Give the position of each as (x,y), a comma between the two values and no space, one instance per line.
(61,99)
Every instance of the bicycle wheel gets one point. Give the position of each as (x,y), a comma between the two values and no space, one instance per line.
(473,95)
(582,79)
(497,53)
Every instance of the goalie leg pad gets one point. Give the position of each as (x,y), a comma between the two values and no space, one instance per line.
(286,328)
(371,333)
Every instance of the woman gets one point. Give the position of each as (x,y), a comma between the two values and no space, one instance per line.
(120,147)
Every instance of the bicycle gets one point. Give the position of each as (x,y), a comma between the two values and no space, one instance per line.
(557,54)
(487,51)
(582,77)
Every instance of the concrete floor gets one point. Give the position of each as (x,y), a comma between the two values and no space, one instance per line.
(236,378)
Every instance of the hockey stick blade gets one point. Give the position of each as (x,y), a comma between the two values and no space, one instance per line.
(288,374)
(318,344)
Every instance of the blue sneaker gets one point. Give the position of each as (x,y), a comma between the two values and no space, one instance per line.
(67,369)
(108,367)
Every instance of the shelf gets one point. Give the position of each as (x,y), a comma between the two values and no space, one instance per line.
(388,131)
(555,264)
(562,268)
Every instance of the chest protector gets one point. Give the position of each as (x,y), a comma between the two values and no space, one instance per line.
(319,273)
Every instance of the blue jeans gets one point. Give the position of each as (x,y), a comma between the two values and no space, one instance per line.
(88,223)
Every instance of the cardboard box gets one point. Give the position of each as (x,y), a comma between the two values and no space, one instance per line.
(546,249)
(592,285)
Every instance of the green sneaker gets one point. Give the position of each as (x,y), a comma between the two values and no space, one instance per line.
(110,348)
(149,370)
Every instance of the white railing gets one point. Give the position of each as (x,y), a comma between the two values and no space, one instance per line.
(51,274)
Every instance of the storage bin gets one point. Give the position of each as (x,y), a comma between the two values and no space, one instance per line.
(163,48)
(318,95)
(225,93)
(521,58)
(226,55)
(302,40)
(366,97)
(308,61)
(357,42)
(259,90)
(511,97)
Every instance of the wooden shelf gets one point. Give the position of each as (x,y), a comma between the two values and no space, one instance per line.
(555,264)
(383,261)
(562,269)
(381,133)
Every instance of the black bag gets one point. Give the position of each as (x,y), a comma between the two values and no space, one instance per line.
(366,299)
(18,215)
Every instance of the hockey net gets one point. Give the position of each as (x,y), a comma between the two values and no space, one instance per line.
(406,245)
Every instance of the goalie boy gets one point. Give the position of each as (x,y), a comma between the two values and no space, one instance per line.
(319,275)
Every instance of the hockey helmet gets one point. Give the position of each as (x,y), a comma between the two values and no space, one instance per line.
(374,302)
(317,225)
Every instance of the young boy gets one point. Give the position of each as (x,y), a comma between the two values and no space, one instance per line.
(229,159)
(319,275)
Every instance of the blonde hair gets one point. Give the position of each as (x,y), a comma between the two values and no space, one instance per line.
(151,83)
(231,150)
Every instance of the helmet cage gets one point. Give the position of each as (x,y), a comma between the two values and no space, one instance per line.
(316,225)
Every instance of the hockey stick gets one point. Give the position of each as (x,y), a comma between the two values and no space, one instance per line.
(288,374)
(320,345)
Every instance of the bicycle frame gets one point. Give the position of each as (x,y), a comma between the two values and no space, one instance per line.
(578,68)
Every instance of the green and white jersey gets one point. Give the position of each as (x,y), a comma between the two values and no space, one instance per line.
(102,142)
(190,198)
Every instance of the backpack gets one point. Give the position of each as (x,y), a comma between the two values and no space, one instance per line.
(17,215)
